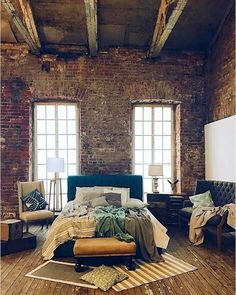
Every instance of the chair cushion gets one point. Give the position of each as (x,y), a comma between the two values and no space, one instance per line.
(34,201)
(36,215)
(186,212)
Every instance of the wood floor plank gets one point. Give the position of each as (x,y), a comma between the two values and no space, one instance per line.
(215,274)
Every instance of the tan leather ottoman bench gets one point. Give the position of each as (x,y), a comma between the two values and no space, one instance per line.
(101,247)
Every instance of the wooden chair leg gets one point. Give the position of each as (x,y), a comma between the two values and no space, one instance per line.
(47,223)
(27,227)
(42,224)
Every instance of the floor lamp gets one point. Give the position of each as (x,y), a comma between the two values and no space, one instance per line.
(155,171)
(55,165)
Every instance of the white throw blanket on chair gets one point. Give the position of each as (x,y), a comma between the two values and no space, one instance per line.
(201,215)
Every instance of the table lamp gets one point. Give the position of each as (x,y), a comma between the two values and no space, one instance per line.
(155,171)
(55,165)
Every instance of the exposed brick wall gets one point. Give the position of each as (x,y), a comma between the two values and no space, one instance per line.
(15,124)
(104,87)
(221,73)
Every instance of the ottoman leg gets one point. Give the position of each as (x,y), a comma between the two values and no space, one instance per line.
(78,266)
(131,265)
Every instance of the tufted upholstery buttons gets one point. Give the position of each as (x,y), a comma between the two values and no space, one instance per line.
(222,192)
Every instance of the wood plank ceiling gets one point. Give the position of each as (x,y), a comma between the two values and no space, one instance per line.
(87,26)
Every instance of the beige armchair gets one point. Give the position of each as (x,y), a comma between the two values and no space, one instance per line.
(29,216)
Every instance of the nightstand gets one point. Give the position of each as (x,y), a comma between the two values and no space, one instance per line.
(165,206)
(158,205)
(175,204)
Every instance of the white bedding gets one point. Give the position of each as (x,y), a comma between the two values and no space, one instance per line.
(159,232)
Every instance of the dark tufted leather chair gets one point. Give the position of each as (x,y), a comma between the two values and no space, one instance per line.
(222,193)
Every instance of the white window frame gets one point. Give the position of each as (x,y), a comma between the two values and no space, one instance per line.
(35,149)
(161,178)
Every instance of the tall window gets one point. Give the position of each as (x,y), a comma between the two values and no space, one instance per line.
(153,137)
(56,135)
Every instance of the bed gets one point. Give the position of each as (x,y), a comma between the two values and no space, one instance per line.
(133,182)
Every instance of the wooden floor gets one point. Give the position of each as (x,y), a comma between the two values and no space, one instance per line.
(215,274)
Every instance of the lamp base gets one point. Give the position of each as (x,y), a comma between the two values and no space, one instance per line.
(155,185)
(55,192)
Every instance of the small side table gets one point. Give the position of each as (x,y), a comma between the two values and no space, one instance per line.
(159,206)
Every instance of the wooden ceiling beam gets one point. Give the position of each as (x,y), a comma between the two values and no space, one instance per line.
(91,20)
(29,21)
(20,26)
(163,26)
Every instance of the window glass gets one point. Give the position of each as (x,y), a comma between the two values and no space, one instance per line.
(139,128)
(50,111)
(56,136)
(41,127)
(153,128)
(138,113)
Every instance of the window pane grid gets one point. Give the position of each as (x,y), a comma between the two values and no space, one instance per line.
(153,143)
(50,136)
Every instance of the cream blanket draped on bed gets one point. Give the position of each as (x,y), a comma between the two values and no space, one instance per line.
(201,215)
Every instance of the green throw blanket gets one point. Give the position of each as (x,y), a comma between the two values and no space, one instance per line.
(128,225)
(111,222)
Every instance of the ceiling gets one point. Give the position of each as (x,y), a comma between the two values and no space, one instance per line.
(61,25)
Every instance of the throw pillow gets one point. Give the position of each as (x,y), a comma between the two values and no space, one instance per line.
(104,277)
(135,204)
(86,194)
(202,200)
(120,190)
(102,188)
(100,201)
(113,199)
(34,201)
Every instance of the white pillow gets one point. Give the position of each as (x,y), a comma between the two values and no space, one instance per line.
(103,187)
(86,194)
(120,190)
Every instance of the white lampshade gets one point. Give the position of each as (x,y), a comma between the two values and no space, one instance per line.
(55,165)
(155,170)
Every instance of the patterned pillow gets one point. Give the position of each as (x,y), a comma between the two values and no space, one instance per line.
(113,199)
(125,192)
(34,201)
(202,200)
(104,277)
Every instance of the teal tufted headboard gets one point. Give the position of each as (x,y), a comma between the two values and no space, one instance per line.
(134,182)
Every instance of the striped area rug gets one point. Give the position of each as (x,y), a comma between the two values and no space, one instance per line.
(151,272)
